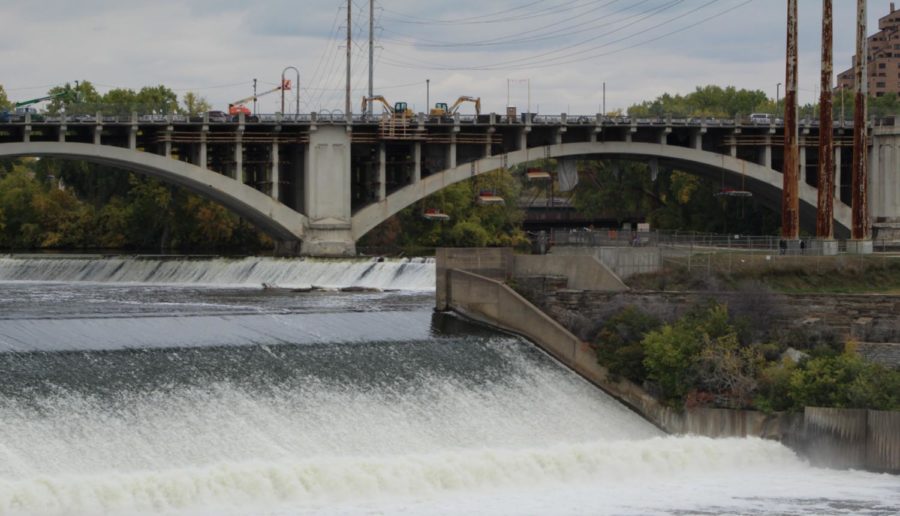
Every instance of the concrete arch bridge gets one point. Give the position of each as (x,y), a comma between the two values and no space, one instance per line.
(319,184)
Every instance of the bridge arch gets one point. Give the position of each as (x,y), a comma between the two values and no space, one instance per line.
(764,182)
(271,216)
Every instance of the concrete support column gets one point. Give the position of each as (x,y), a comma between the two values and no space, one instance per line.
(697,139)
(276,173)
(62,132)
(168,143)
(26,133)
(523,138)
(664,136)
(98,129)
(326,190)
(132,131)
(451,152)
(239,160)
(297,178)
(239,151)
(382,172)
(417,162)
(733,150)
(802,160)
(492,129)
(767,153)
(202,160)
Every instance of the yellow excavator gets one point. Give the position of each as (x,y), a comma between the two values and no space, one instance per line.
(398,110)
(441,109)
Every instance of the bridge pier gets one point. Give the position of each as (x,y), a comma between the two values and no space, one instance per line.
(327,192)
(417,162)
(766,158)
(274,173)
(326,242)
(382,171)
(132,132)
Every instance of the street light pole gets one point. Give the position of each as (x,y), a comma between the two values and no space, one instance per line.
(777,95)
(427,94)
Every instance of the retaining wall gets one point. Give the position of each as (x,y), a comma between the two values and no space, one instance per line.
(623,261)
(831,437)
(853,438)
(492,302)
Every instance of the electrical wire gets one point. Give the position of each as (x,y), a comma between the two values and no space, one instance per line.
(642,17)
(539,36)
(459,20)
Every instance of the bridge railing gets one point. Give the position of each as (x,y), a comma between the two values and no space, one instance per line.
(701,242)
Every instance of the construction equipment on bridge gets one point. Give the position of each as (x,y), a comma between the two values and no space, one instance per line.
(398,110)
(21,108)
(441,109)
(237,107)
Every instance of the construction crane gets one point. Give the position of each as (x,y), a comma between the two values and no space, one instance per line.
(441,109)
(398,110)
(21,108)
(237,107)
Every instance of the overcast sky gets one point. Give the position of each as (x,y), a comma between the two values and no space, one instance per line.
(565,49)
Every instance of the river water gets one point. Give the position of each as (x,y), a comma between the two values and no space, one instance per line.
(176,386)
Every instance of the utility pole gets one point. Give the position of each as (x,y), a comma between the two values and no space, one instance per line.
(347,111)
(860,179)
(371,50)
(254,96)
(790,202)
(427,94)
(825,211)
(604,99)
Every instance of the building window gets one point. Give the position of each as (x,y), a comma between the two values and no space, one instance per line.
(879,85)
(882,65)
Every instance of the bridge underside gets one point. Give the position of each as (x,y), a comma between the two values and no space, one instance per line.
(763,182)
(274,218)
(331,231)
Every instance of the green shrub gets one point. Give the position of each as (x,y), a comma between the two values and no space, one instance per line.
(618,343)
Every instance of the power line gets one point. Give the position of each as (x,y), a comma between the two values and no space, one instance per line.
(559,60)
(541,35)
(459,20)
(549,57)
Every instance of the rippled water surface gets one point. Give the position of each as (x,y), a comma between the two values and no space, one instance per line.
(184,387)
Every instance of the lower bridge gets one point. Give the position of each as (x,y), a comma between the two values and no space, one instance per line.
(318,184)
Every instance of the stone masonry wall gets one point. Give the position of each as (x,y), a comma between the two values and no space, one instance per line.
(871,320)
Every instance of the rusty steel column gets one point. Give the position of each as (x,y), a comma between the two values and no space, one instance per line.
(825,212)
(860,177)
(790,202)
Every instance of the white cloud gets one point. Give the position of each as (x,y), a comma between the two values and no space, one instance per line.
(217,47)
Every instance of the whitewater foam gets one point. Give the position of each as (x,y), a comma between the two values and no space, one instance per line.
(400,274)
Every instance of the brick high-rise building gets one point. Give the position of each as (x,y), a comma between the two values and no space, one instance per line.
(884,58)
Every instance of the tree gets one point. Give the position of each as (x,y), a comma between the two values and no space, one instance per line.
(156,99)
(705,101)
(194,104)
(618,343)
(80,99)
(4,100)
(469,224)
